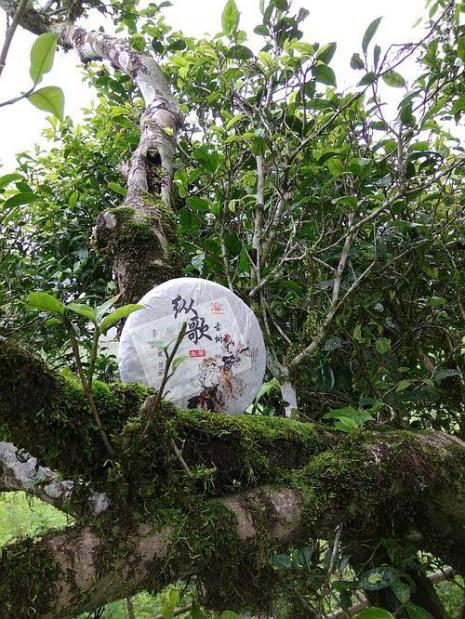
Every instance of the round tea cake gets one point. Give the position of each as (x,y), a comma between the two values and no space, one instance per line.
(220,363)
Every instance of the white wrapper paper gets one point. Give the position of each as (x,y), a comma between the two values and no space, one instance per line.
(224,348)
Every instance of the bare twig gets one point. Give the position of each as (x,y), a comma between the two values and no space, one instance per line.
(130,608)
(329,319)
(10,33)
(258,224)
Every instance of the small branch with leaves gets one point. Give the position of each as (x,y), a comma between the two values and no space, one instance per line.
(48,98)
(172,362)
(171,365)
(102,323)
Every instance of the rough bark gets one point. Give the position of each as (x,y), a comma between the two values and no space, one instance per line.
(21,471)
(141,235)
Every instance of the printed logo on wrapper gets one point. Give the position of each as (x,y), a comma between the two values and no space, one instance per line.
(223,347)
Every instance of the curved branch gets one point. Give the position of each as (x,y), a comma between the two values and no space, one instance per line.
(21,471)
(162,117)
(140,236)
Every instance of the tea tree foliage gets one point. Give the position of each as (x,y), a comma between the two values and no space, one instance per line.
(338,218)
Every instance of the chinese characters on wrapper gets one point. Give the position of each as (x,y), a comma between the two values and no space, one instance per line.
(223,345)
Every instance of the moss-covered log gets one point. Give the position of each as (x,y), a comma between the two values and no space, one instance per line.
(410,486)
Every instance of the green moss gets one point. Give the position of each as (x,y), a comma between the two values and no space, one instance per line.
(226,454)
(230,573)
(27,580)
(348,485)
(50,415)
(145,241)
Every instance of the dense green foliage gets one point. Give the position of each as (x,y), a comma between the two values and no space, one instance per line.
(329,159)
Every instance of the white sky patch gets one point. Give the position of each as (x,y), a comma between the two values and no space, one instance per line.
(330,20)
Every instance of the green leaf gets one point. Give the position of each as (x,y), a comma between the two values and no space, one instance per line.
(271,385)
(444,373)
(46,302)
(177,361)
(378,578)
(281,561)
(406,113)
(374,613)
(403,385)
(117,188)
(20,198)
(101,310)
(42,54)
(241,52)
(197,612)
(49,99)
(461,48)
(383,345)
(376,55)
(326,52)
(394,79)
(368,79)
(459,104)
(401,591)
(437,301)
(356,62)
(370,33)
(229,614)
(324,74)
(73,198)
(118,314)
(6,179)
(83,310)
(346,424)
(304,557)
(357,333)
(230,18)
(416,612)
(199,204)
(261,29)
(358,415)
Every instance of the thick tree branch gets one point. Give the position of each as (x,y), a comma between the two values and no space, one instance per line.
(31,19)
(411,487)
(162,117)
(141,235)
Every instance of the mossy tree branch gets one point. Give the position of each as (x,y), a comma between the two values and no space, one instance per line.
(143,242)
(257,483)
(401,484)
